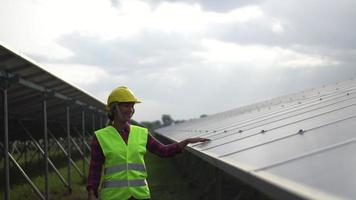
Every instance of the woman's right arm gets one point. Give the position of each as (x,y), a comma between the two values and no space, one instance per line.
(96,164)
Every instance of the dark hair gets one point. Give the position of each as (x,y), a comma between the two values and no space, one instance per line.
(112,112)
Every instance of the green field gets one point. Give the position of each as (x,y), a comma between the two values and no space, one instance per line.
(164,180)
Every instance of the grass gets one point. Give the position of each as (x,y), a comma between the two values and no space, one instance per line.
(57,189)
(164,181)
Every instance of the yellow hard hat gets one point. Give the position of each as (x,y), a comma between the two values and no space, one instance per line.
(121,94)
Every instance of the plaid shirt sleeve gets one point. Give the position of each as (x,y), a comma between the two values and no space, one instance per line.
(96,163)
(162,150)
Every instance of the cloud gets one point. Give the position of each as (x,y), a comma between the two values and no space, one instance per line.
(93,79)
(145,52)
(208,5)
(191,57)
(25,27)
(321,24)
(259,56)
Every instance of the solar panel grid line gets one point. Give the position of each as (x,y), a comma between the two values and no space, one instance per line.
(307,111)
(333,93)
(224,128)
(317,108)
(339,88)
(217,129)
(315,95)
(297,132)
(317,115)
(257,145)
(316,151)
(274,128)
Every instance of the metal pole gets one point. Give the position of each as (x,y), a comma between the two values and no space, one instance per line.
(26,177)
(6,147)
(101,121)
(65,153)
(68,151)
(83,139)
(38,147)
(80,151)
(45,146)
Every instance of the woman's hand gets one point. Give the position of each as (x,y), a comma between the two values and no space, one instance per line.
(185,142)
(196,140)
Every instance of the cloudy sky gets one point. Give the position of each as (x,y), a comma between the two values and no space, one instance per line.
(187,57)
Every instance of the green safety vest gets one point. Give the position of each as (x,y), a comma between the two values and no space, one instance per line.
(124,168)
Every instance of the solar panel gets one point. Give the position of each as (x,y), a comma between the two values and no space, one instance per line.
(295,146)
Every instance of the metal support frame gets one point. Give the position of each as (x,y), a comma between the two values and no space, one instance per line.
(86,145)
(7,186)
(85,159)
(26,177)
(83,139)
(6,141)
(14,148)
(45,137)
(18,152)
(37,146)
(68,150)
(77,146)
(66,153)
(5,80)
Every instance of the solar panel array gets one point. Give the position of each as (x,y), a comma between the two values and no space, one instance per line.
(296,146)
(43,114)
(28,84)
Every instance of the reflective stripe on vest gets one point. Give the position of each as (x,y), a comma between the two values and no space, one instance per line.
(125,183)
(122,167)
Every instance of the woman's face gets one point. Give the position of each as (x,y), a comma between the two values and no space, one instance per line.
(127,110)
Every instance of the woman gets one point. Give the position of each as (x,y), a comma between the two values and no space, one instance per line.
(119,150)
